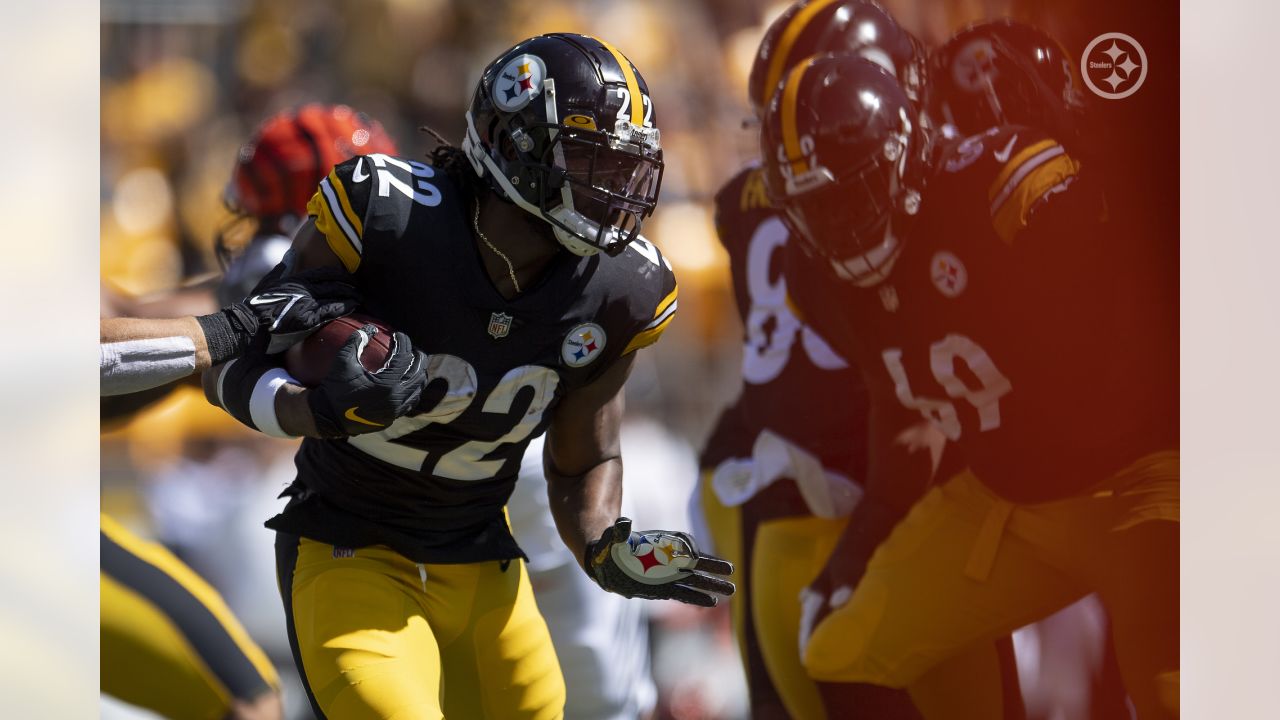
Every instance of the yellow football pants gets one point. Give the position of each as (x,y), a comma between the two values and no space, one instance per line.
(788,553)
(966,566)
(169,642)
(377,636)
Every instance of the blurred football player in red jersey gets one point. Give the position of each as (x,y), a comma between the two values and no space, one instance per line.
(971,305)
(782,469)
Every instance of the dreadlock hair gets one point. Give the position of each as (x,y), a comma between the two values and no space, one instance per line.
(451,160)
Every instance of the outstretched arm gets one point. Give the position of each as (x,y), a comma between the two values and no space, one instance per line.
(583,465)
(583,458)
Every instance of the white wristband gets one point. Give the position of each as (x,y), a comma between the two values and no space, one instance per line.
(262,403)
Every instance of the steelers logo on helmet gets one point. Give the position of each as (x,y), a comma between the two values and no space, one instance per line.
(974,67)
(518,82)
(583,344)
(654,558)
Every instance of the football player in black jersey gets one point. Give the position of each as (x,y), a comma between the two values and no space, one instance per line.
(515,267)
(972,306)
(780,472)
(1004,72)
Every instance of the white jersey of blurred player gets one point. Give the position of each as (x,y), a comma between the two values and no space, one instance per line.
(602,639)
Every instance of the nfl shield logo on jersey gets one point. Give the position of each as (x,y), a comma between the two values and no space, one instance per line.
(499,325)
(583,344)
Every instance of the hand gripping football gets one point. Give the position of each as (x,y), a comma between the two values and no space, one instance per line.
(309,361)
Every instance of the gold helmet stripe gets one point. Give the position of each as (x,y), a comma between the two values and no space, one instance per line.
(786,42)
(633,86)
(788,111)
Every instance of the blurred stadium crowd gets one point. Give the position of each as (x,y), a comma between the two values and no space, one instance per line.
(185,82)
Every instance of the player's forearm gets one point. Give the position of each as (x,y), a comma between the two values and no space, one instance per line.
(264,399)
(899,473)
(139,354)
(583,506)
(124,330)
(294,413)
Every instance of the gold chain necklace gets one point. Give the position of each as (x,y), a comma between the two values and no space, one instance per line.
(511,271)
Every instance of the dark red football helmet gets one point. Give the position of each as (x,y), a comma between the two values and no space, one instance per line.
(278,169)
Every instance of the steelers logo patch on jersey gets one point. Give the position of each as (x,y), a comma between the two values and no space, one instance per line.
(949,275)
(583,344)
(519,81)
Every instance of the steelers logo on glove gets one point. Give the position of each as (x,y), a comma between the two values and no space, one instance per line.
(657,565)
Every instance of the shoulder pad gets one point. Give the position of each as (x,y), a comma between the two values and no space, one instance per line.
(362,186)
(743,194)
(1018,166)
(653,304)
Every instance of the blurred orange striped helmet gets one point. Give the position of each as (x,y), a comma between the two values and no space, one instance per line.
(278,169)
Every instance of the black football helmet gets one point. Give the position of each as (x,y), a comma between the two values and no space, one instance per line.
(817,27)
(839,143)
(562,125)
(1004,73)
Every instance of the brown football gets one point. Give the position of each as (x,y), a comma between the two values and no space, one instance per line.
(309,361)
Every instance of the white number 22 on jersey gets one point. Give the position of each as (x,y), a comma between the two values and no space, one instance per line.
(464,462)
(942,359)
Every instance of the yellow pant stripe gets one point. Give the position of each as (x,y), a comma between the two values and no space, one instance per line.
(162,621)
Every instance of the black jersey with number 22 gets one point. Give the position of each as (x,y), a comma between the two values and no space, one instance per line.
(434,483)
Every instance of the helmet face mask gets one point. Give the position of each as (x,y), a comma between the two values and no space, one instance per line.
(847,186)
(571,152)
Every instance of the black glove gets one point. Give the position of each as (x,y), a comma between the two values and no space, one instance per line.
(289,308)
(353,401)
(292,307)
(656,565)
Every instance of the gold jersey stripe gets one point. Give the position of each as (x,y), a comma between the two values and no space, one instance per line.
(648,337)
(337,239)
(1011,216)
(633,86)
(341,192)
(790,135)
(754,193)
(777,63)
(666,301)
(1012,166)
